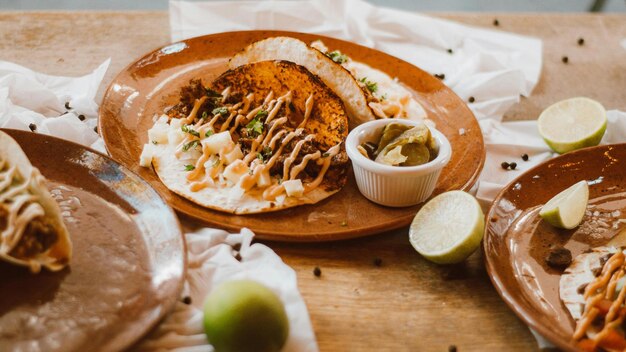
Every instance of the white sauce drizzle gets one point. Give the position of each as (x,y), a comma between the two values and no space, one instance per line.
(240,114)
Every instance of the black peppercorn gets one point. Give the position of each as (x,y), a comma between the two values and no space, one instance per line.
(513,165)
(378,262)
(67,105)
(81,117)
(505,165)
(581,41)
(471,99)
(565,59)
(525,157)
(450,51)
(440,75)
(95,129)
(187,300)
(317,271)
(452,348)
(496,22)
(32,127)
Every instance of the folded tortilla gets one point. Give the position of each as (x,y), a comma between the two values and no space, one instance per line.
(32,230)
(368,93)
(263,137)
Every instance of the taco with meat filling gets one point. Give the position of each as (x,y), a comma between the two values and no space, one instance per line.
(261,137)
(32,230)
(593,289)
(367,92)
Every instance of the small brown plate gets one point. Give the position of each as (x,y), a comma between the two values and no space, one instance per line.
(128,258)
(153,82)
(517,240)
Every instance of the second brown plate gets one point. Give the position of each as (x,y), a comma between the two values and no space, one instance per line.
(517,241)
(151,83)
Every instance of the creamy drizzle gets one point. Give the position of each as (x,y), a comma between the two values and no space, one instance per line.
(308,106)
(240,114)
(603,288)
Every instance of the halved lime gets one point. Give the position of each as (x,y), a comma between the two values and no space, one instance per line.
(572,124)
(567,209)
(448,228)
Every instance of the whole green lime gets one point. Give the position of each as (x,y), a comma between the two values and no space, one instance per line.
(244,315)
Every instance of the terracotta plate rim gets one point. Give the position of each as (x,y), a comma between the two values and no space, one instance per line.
(492,271)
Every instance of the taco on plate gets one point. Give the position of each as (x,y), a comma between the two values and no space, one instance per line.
(32,233)
(261,137)
(593,289)
(367,92)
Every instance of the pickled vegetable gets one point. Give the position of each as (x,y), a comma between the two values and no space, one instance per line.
(401,145)
(417,154)
(417,147)
(390,133)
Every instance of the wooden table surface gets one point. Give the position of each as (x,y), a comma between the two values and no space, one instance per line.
(407,304)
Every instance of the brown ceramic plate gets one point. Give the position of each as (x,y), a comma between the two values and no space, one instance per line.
(128,258)
(517,241)
(151,83)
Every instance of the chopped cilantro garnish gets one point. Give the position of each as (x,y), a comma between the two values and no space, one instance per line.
(383,97)
(255,126)
(371,86)
(209,133)
(190,145)
(261,114)
(337,56)
(267,152)
(204,115)
(190,130)
(189,167)
(222,110)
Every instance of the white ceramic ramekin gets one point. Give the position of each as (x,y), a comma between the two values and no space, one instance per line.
(394,186)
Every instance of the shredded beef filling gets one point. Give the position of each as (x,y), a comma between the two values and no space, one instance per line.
(38,237)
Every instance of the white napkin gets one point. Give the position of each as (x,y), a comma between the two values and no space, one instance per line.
(211,260)
(34,100)
(30,99)
(492,66)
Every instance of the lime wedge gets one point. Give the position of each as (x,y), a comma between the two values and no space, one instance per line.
(572,124)
(567,209)
(448,228)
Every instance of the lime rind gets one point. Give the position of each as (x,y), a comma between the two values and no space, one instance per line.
(449,228)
